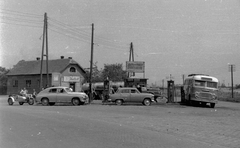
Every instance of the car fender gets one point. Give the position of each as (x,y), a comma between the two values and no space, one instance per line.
(12,99)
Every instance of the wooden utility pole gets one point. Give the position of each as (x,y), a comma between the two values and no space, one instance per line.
(42,56)
(232,69)
(91,65)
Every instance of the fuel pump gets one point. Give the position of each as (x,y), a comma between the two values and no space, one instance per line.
(170,91)
(106,90)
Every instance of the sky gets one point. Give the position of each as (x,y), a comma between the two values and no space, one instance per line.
(172,37)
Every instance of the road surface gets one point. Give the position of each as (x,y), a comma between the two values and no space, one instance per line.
(127,126)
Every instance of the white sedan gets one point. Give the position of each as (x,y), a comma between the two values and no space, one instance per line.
(52,95)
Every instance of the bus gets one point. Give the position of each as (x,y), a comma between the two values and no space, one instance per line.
(200,88)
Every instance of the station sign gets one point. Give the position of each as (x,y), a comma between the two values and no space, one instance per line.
(71,78)
(135,66)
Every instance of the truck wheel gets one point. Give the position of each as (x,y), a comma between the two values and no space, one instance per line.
(119,102)
(146,102)
(10,101)
(30,101)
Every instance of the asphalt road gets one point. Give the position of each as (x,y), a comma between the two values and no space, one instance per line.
(127,126)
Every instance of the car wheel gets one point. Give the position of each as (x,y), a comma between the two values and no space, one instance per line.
(30,101)
(75,101)
(45,101)
(10,101)
(146,102)
(51,103)
(212,105)
(21,103)
(119,102)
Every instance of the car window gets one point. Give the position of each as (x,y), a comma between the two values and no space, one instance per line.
(124,91)
(134,91)
(54,90)
(61,90)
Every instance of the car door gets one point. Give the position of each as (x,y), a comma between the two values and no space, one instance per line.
(62,95)
(52,95)
(135,96)
(125,95)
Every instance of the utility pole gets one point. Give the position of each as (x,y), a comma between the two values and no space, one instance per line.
(91,65)
(46,49)
(183,77)
(42,56)
(232,69)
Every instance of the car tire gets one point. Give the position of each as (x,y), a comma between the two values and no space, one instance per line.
(212,105)
(30,101)
(51,103)
(119,102)
(21,103)
(10,101)
(75,101)
(147,102)
(45,101)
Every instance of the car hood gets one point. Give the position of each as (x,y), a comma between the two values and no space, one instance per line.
(77,93)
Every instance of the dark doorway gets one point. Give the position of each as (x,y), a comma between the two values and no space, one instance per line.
(72,85)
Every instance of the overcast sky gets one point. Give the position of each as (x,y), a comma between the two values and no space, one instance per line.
(172,36)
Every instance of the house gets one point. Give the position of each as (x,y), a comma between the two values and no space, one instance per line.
(61,72)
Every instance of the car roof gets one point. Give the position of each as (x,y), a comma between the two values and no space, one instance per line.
(126,88)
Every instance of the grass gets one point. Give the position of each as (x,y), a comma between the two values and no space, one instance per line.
(225,94)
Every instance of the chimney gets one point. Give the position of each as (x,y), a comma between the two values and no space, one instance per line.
(38,58)
(62,57)
(69,57)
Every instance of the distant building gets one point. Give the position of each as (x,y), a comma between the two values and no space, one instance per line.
(62,72)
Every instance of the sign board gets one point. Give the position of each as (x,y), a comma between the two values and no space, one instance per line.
(71,79)
(135,66)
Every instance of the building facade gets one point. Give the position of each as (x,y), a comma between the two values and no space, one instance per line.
(61,72)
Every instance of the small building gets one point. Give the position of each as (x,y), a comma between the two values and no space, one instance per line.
(61,72)
(131,82)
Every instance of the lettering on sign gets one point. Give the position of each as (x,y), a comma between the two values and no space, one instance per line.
(137,66)
(71,78)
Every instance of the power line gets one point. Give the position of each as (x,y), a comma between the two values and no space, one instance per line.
(19,13)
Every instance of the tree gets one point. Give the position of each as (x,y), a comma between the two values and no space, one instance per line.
(96,74)
(114,72)
(3,80)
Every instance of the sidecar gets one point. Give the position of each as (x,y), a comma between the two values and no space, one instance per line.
(20,99)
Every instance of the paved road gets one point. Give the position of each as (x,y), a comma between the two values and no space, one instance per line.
(107,126)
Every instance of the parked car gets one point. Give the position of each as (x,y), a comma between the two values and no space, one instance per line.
(155,91)
(52,95)
(20,99)
(131,95)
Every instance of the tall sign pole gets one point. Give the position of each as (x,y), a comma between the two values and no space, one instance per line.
(131,58)
(91,65)
(232,69)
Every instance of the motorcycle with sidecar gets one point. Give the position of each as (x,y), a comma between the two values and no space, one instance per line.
(21,99)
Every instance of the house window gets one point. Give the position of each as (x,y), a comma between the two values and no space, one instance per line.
(72,69)
(28,83)
(15,83)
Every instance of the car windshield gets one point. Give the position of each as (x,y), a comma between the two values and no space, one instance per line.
(68,90)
